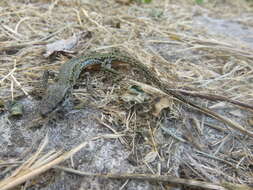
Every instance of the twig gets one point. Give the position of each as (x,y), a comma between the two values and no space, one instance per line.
(16,45)
(156,178)
(6,76)
(18,83)
(215,97)
(13,181)
(12,31)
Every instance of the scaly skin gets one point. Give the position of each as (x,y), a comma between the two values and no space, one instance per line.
(71,70)
(68,75)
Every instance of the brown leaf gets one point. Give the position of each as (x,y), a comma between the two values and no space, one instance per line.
(175,37)
(65,45)
(162,103)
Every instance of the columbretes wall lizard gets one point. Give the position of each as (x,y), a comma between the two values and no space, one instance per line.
(70,72)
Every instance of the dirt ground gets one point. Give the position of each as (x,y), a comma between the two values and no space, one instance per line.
(203,51)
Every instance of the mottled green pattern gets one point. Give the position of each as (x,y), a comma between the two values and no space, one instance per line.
(70,71)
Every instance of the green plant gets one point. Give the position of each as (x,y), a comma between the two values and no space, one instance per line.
(199,1)
(144,1)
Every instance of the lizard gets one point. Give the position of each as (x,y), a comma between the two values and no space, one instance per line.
(71,70)
(69,73)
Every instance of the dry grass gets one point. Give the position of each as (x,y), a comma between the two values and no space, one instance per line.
(162,36)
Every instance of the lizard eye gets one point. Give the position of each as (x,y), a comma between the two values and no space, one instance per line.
(115,50)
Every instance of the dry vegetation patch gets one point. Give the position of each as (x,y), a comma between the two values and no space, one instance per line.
(159,134)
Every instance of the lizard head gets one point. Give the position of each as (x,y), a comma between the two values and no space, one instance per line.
(55,95)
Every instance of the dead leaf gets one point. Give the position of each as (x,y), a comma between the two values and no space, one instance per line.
(218,105)
(1,103)
(135,94)
(150,157)
(162,103)
(236,113)
(196,124)
(175,37)
(250,121)
(65,45)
